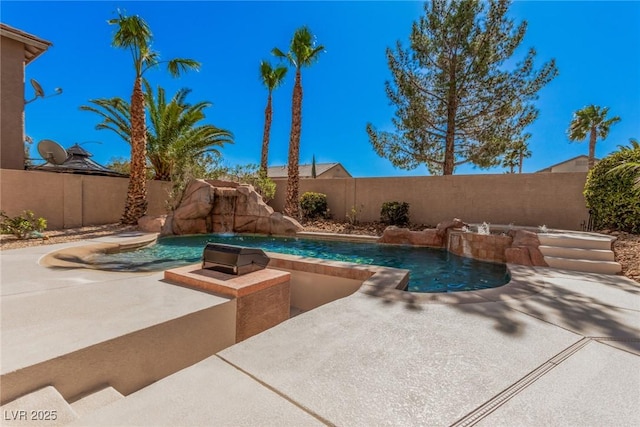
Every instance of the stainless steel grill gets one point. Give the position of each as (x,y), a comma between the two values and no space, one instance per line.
(233,259)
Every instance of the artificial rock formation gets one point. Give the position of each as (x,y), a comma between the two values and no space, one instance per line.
(433,237)
(152,224)
(404,236)
(220,206)
(524,249)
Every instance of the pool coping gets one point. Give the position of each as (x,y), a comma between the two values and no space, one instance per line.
(387,283)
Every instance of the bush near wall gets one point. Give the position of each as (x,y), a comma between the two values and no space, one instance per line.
(395,213)
(611,197)
(313,205)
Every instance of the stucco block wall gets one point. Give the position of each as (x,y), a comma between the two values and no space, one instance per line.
(554,200)
(11,103)
(71,200)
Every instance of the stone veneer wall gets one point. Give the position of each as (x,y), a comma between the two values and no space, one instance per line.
(483,247)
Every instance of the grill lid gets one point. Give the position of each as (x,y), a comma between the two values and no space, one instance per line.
(233,259)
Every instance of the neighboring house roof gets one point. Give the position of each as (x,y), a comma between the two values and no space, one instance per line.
(33,46)
(78,162)
(304,170)
(566,162)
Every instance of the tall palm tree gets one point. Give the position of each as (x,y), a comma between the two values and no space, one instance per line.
(175,136)
(134,34)
(271,78)
(516,152)
(591,120)
(303,52)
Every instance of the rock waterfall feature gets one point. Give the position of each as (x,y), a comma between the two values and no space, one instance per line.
(213,206)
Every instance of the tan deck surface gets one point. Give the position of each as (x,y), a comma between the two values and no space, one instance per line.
(566,354)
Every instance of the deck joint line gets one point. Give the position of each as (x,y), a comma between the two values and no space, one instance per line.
(501,398)
(279,393)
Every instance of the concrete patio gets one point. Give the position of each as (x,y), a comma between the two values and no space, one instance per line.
(566,352)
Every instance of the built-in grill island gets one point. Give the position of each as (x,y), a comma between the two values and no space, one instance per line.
(233,259)
(261,296)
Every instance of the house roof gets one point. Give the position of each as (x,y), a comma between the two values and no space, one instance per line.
(78,162)
(33,46)
(582,156)
(304,170)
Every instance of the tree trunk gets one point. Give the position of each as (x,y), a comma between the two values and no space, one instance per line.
(449,149)
(520,161)
(264,158)
(592,148)
(136,204)
(291,206)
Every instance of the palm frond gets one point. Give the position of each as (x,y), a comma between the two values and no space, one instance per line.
(115,115)
(181,65)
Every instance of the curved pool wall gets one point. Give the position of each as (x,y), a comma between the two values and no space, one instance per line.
(431,270)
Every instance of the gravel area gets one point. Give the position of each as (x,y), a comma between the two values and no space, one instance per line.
(626,247)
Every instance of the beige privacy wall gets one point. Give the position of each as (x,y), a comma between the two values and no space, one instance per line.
(72,200)
(551,199)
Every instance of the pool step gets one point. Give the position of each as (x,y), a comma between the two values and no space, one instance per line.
(577,253)
(96,400)
(587,252)
(43,407)
(577,240)
(588,266)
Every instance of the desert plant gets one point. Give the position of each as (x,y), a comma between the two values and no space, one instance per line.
(22,226)
(313,205)
(352,215)
(611,196)
(395,213)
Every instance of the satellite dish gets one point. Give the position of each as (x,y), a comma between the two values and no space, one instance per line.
(37,88)
(52,152)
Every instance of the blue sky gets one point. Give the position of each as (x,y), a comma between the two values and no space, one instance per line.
(596,46)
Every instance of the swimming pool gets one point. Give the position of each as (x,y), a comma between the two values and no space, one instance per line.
(432,270)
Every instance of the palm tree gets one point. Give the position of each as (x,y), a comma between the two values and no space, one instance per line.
(303,52)
(510,161)
(272,78)
(517,151)
(175,136)
(591,120)
(134,34)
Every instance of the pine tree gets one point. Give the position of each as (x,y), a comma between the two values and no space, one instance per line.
(455,100)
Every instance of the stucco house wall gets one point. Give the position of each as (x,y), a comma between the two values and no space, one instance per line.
(11,104)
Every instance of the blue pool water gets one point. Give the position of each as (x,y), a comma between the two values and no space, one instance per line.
(432,270)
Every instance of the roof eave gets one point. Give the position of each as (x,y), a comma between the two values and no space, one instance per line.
(34,46)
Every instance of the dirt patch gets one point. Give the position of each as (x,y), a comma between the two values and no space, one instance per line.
(52,237)
(626,247)
(627,251)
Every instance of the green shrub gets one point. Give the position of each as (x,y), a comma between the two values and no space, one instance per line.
(611,197)
(263,185)
(313,205)
(395,213)
(22,226)
(245,174)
